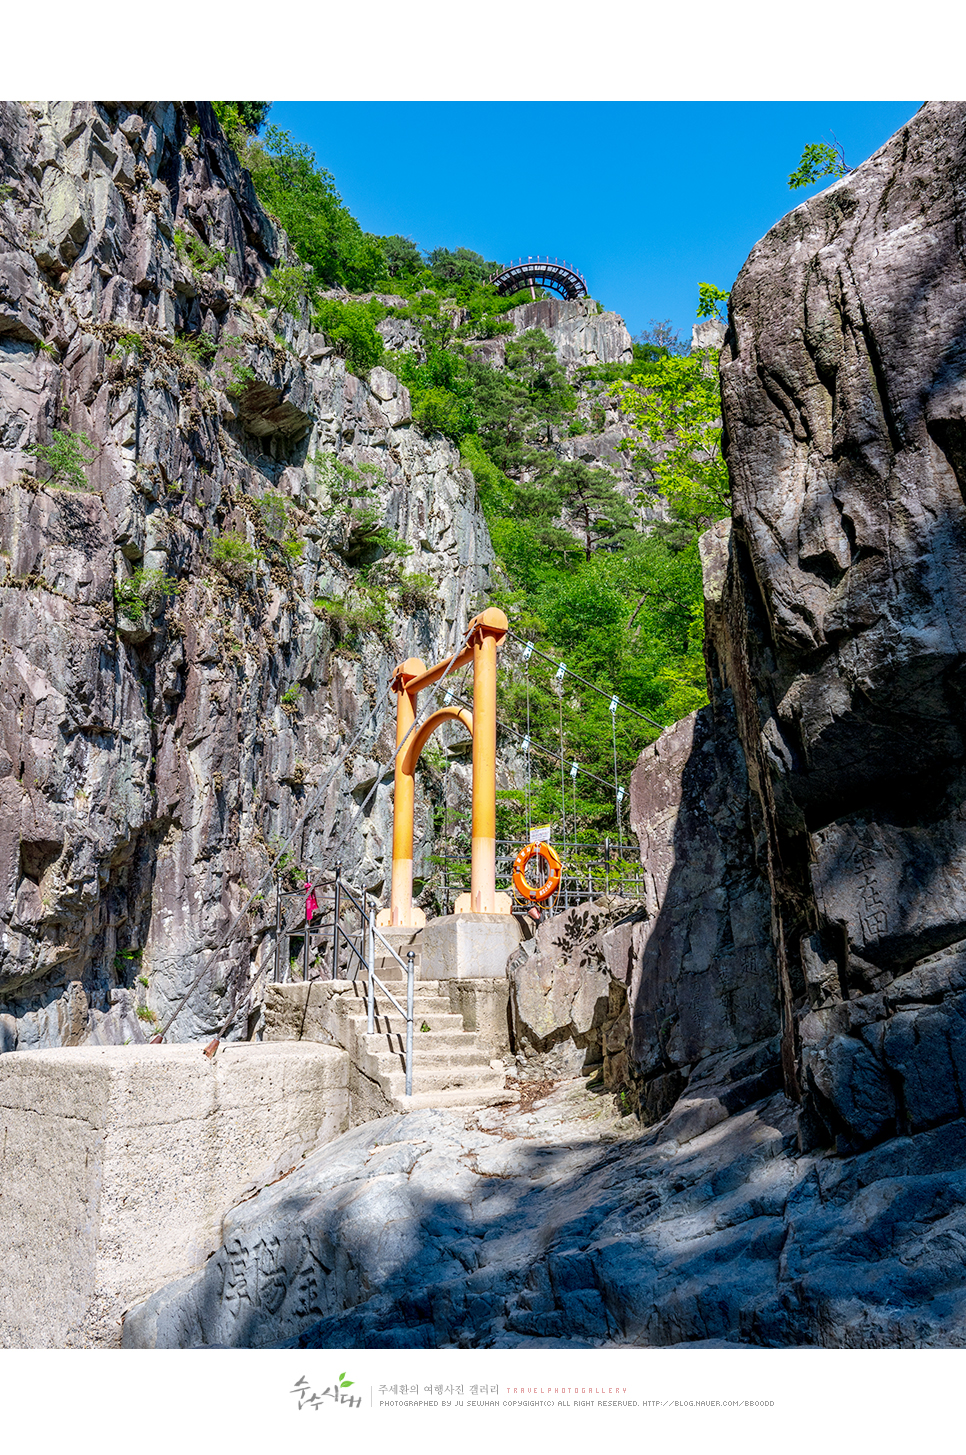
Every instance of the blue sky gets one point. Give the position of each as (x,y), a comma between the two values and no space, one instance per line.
(646,198)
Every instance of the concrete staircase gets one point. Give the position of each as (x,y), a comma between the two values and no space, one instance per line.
(450,1065)
(457,1059)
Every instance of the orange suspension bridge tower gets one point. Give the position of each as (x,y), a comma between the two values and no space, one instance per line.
(485,634)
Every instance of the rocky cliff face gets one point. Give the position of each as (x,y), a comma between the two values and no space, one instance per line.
(841,628)
(581,333)
(151,754)
(804,924)
(803,836)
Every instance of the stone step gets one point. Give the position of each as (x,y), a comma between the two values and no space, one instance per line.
(442,1078)
(423,1005)
(460,1096)
(422,991)
(445,1047)
(442,1030)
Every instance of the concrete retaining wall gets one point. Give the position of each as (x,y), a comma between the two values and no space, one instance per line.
(117,1164)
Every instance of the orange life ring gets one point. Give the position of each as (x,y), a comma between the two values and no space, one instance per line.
(544,891)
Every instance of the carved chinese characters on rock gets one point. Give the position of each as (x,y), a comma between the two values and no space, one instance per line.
(871,908)
(254,1276)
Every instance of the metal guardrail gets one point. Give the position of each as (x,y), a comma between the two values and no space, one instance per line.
(361,946)
(588,871)
(410,969)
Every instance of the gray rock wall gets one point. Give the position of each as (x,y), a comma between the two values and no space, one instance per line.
(148,766)
(579,333)
(702,988)
(841,626)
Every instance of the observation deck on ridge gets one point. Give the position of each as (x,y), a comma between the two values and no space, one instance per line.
(534,273)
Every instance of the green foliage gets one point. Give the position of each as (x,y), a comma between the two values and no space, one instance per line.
(496,492)
(352,329)
(510,411)
(287,290)
(198,348)
(233,553)
(460,266)
(438,409)
(291,695)
(304,199)
(128,343)
(65,458)
(273,510)
(710,300)
(818,161)
(369,539)
(239,118)
(589,496)
(417,591)
(352,619)
(676,407)
(144,1014)
(657,340)
(622,609)
(403,257)
(276,522)
(197,254)
(490,327)
(141,595)
(340,481)
(441,388)
(232,374)
(629,621)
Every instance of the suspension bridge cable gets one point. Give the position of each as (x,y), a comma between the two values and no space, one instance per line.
(539,748)
(563,786)
(526,742)
(585,680)
(618,793)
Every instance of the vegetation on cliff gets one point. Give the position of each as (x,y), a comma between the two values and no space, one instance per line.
(585,575)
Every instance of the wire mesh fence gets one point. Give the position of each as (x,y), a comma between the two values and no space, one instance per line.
(588,871)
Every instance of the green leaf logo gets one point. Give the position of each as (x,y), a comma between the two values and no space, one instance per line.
(343,1382)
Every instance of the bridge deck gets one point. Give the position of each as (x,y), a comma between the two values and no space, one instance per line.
(535,273)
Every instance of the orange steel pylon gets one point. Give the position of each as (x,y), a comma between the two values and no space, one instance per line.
(484,635)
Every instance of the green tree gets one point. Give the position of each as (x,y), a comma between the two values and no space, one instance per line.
(518,407)
(817,161)
(287,289)
(66,457)
(531,359)
(403,257)
(589,496)
(303,197)
(659,339)
(352,329)
(676,409)
(461,266)
(241,116)
(710,300)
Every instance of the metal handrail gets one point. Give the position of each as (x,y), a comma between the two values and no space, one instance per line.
(367,960)
(410,968)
